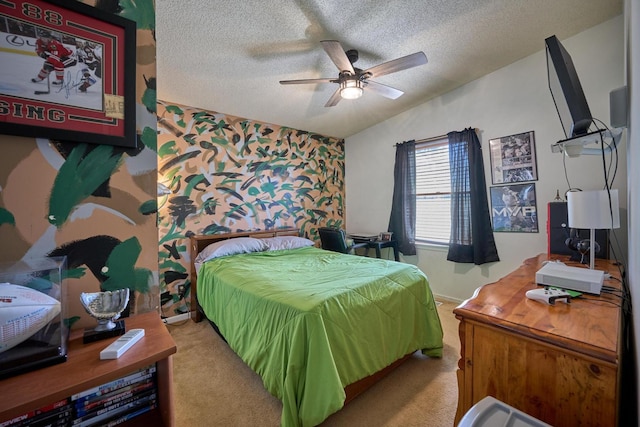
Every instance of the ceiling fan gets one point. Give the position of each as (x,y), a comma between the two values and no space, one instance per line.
(353,80)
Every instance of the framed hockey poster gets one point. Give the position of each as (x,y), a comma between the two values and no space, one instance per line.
(67,72)
(513,208)
(513,158)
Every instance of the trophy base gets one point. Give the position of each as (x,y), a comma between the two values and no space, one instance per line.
(91,335)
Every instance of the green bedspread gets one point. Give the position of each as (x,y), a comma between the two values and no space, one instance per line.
(310,321)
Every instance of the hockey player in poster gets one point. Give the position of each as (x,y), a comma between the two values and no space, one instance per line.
(90,55)
(56,58)
(86,81)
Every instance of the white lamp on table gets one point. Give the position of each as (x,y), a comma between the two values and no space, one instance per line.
(593,210)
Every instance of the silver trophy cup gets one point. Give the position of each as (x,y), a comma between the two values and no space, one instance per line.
(106,307)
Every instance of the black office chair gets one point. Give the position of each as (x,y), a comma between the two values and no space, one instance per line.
(335,239)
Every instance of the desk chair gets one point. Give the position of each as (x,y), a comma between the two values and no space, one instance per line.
(335,239)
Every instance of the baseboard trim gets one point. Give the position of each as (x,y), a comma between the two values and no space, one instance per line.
(178,318)
(447,298)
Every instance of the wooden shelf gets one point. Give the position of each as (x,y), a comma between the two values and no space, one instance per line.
(84,369)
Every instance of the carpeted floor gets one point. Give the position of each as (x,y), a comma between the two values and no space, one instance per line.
(213,387)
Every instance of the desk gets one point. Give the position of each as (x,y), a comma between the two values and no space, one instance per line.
(560,364)
(378,245)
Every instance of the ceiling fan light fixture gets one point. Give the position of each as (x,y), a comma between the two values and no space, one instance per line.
(352,81)
(351,89)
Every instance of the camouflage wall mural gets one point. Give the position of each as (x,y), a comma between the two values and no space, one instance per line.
(219,173)
(94,204)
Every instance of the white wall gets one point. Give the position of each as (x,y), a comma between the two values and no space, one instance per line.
(632,14)
(511,100)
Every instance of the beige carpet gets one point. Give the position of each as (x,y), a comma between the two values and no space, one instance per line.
(213,387)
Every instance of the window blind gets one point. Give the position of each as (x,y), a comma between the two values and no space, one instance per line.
(433,192)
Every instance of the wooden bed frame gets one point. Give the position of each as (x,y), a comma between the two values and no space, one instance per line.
(199,242)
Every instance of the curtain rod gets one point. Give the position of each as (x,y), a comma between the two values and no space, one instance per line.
(430,139)
(433,138)
(420,141)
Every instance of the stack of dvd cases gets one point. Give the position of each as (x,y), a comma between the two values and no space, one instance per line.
(55,414)
(108,405)
(117,401)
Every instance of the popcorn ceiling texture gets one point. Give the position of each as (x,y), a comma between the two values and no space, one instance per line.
(229,55)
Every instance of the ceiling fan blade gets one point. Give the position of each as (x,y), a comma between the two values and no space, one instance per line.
(336,53)
(384,90)
(305,81)
(335,98)
(399,64)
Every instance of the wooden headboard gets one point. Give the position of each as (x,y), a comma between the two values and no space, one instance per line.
(199,242)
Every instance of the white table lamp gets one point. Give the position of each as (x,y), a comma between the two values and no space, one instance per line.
(593,210)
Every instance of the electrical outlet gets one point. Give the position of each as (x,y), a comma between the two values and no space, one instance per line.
(181,290)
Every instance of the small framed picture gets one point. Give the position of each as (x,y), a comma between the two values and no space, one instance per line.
(385,236)
(513,158)
(513,208)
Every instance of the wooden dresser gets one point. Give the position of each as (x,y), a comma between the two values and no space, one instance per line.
(560,363)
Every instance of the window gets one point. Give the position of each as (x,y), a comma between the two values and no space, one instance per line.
(433,192)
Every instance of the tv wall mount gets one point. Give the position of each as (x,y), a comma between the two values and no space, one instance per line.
(592,143)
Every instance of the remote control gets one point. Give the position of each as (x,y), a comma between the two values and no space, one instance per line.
(122,344)
(548,296)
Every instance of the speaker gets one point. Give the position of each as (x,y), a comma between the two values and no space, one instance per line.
(618,107)
(561,239)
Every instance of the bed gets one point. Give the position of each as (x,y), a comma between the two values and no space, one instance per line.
(319,327)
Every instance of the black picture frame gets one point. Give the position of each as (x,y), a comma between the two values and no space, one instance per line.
(58,108)
(514,209)
(513,158)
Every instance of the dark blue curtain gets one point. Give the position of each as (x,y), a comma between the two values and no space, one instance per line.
(403,209)
(471,233)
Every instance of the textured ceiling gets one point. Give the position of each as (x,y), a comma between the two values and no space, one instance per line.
(229,56)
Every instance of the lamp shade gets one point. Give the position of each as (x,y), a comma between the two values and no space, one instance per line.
(592,210)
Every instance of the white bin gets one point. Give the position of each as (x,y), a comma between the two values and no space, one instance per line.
(490,412)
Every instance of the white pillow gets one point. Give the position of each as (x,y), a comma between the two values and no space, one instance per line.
(237,245)
(286,242)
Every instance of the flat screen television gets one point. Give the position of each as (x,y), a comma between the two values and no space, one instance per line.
(566,90)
